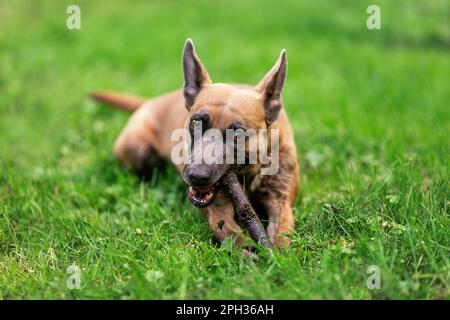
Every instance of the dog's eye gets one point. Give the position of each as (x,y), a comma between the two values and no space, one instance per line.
(197,124)
(198,121)
(238,135)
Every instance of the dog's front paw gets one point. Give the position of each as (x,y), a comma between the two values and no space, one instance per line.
(279,240)
(250,255)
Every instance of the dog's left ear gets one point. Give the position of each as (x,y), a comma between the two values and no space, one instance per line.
(270,87)
(195,74)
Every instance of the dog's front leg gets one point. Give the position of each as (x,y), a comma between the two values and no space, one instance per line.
(277,205)
(281,221)
(220,217)
(275,194)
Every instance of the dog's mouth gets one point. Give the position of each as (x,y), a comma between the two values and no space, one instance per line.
(202,197)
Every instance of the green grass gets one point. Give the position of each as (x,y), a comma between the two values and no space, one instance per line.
(370,110)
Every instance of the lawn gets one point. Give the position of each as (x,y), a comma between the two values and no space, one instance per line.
(370,110)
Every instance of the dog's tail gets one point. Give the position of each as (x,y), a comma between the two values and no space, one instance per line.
(119,100)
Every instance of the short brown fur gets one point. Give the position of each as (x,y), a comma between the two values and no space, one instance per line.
(145,140)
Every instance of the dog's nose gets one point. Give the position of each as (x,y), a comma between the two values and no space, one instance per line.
(199,176)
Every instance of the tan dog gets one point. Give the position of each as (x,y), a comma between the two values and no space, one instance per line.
(145,142)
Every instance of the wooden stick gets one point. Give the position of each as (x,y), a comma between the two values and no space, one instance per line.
(244,210)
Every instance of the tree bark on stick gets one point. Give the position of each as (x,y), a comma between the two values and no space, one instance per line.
(244,210)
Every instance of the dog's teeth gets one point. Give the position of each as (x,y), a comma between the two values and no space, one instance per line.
(201,196)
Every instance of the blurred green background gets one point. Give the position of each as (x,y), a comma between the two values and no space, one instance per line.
(370,114)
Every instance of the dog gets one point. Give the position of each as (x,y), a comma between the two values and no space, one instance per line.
(145,143)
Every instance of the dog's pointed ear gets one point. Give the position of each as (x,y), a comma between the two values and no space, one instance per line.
(195,74)
(270,87)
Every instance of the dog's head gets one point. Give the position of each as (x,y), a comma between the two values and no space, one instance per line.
(224,108)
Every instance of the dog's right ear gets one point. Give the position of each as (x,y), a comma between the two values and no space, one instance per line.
(195,74)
